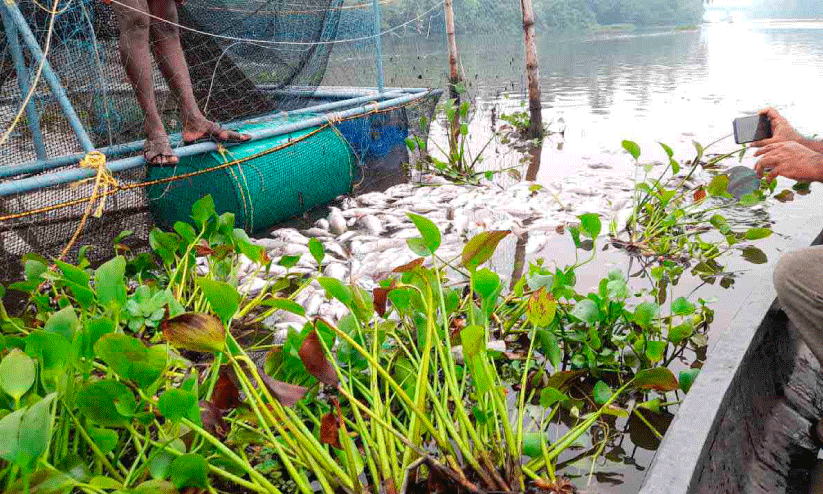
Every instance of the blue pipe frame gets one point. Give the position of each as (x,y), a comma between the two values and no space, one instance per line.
(22,71)
(51,78)
(353,101)
(29,184)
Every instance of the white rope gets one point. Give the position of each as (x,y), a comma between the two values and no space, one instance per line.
(299,43)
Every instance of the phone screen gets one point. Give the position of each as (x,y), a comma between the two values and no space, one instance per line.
(752,128)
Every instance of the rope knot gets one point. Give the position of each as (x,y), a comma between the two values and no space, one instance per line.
(96,160)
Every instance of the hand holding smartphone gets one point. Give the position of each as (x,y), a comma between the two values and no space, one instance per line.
(752,128)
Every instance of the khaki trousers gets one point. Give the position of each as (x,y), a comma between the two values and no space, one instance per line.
(798,279)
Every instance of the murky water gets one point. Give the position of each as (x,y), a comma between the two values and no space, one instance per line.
(671,87)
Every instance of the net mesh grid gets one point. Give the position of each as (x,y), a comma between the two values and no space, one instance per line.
(246,60)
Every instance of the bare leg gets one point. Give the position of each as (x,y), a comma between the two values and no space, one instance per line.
(136,56)
(169,55)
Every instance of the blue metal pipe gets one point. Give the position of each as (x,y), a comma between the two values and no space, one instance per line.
(378,47)
(48,74)
(23,82)
(75,174)
(132,147)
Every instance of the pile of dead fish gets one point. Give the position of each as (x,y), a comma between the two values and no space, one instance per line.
(365,236)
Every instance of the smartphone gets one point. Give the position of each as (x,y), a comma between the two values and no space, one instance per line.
(752,128)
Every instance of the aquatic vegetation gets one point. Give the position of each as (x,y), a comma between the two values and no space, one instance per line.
(140,375)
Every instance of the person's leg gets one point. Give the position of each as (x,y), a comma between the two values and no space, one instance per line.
(134,23)
(169,55)
(798,279)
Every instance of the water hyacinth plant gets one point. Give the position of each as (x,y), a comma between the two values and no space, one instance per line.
(134,377)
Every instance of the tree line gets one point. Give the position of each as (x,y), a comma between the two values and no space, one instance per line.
(487,16)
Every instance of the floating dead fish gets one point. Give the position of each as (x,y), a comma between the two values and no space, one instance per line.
(337,223)
(372,224)
(318,233)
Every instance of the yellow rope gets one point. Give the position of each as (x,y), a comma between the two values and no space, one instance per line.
(112,187)
(102,182)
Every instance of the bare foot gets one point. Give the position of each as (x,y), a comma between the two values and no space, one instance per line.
(157,150)
(206,130)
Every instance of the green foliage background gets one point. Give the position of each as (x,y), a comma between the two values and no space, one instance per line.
(486,16)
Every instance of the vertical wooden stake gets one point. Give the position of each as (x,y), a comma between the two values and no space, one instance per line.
(535,107)
(454,77)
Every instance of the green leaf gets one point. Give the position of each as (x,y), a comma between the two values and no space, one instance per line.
(130,358)
(549,396)
(418,246)
(651,405)
(481,247)
(757,233)
(63,322)
(473,339)
(687,378)
(721,224)
(658,379)
(485,282)
(17,374)
(156,487)
(428,230)
(288,261)
(748,200)
(222,297)
(632,148)
(286,305)
(586,311)
(532,444)
(681,332)
(336,289)
(202,210)
(110,284)
(33,269)
(105,439)
(189,470)
(590,224)
(754,255)
(28,442)
(542,308)
(547,344)
(718,186)
(176,404)
(655,350)
(317,251)
(72,273)
(645,314)
(107,483)
(50,349)
(101,401)
(682,307)
(667,149)
(185,231)
(601,393)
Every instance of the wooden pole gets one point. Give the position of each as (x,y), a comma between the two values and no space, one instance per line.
(535,107)
(454,75)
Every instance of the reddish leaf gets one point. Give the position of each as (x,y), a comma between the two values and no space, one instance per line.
(560,378)
(379,295)
(203,250)
(226,395)
(212,419)
(699,194)
(411,266)
(658,379)
(330,430)
(311,353)
(287,394)
(481,248)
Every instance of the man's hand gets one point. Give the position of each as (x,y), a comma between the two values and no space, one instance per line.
(790,160)
(782,130)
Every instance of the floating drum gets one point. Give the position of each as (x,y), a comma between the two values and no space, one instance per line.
(273,179)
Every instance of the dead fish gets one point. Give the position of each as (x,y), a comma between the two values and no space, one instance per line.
(322,223)
(337,223)
(372,224)
(377,246)
(318,233)
(335,270)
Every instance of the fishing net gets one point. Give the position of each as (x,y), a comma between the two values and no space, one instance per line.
(249,61)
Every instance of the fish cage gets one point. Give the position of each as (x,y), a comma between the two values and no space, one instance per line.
(74,172)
